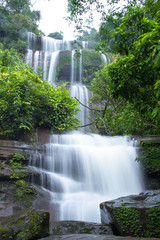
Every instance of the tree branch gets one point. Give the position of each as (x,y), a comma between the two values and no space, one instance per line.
(92,109)
(87,124)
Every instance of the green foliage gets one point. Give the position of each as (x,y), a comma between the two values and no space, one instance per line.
(16,161)
(126,93)
(17,157)
(23,189)
(15,164)
(134,24)
(107,27)
(132,80)
(92,36)
(28,102)
(134,76)
(17,19)
(113,116)
(91,62)
(149,157)
(56,35)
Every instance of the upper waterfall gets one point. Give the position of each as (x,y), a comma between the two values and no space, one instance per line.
(49,55)
(46,54)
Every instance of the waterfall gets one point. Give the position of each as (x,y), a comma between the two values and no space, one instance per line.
(104,59)
(81,93)
(47,57)
(72,67)
(36,58)
(77,171)
(32,39)
(53,65)
(80,67)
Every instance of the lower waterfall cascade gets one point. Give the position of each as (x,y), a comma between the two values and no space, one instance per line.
(77,171)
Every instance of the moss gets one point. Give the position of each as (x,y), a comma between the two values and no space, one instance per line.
(26,225)
(25,193)
(128,220)
(137,222)
(153,225)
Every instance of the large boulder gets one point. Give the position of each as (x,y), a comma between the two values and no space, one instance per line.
(135,215)
(25,225)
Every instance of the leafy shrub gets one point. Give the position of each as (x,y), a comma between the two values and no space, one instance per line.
(150,157)
(16,161)
(27,102)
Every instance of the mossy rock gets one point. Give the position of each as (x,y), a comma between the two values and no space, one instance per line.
(25,225)
(79,227)
(135,215)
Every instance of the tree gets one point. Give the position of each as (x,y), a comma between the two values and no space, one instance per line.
(56,35)
(135,76)
(113,116)
(135,23)
(17,19)
(27,102)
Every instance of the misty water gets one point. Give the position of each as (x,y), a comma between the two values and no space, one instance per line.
(78,170)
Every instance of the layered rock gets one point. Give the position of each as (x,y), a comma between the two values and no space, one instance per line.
(135,215)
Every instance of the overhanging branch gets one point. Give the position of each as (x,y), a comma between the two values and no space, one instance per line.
(92,109)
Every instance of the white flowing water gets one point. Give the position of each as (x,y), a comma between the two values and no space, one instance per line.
(77,170)
(72,67)
(80,171)
(53,66)
(81,93)
(47,58)
(80,67)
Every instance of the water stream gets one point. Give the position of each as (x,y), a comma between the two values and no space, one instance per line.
(77,171)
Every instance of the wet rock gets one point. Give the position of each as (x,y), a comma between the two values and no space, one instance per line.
(69,227)
(135,215)
(92,237)
(15,198)
(27,224)
(5,172)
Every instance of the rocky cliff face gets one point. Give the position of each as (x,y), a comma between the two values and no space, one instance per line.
(18,220)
